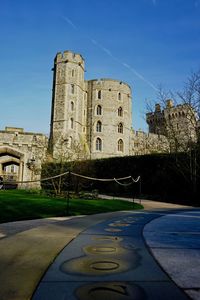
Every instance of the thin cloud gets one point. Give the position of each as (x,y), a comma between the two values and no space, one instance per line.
(69,22)
(109,53)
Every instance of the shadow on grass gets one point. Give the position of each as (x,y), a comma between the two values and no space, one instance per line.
(18,205)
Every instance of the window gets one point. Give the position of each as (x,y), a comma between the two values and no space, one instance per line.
(72,73)
(120,128)
(72,106)
(120,146)
(12,168)
(72,88)
(34,138)
(98,144)
(98,126)
(120,111)
(71,123)
(99,110)
(99,94)
(119,96)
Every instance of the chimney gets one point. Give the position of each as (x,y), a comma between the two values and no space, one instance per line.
(169,103)
(157,107)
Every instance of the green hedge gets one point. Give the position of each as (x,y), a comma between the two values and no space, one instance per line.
(164,177)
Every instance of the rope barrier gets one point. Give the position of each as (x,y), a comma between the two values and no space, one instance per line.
(81,176)
(123,184)
(99,179)
(37,180)
(136,180)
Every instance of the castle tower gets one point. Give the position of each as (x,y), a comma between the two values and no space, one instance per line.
(109,118)
(178,123)
(69,101)
(156,121)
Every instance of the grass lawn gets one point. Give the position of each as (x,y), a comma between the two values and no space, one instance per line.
(24,205)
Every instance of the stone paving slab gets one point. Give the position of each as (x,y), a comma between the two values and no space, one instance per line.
(175,243)
(26,253)
(182,265)
(177,222)
(25,256)
(117,290)
(12,228)
(131,224)
(173,240)
(101,264)
(112,260)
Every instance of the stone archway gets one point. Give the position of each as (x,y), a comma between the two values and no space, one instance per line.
(11,164)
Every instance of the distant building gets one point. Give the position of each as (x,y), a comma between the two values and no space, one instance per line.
(178,123)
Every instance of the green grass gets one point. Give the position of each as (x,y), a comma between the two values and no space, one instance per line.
(23,205)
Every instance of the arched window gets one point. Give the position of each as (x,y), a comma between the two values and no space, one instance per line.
(98,144)
(73,73)
(120,111)
(71,123)
(119,96)
(72,88)
(120,146)
(99,94)
(120,128)
(99,110)
(72,106)
(98,126)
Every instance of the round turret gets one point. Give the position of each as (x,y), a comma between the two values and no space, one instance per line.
(109,117)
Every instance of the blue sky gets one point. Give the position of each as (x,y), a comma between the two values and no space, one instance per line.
(142,42)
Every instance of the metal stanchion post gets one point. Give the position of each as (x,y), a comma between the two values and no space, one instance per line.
(68,195)
(140,187)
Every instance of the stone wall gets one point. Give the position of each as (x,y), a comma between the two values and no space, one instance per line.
(109,118)
(148,143)
(25,150)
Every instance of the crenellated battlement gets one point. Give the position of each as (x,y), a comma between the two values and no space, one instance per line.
(69,56)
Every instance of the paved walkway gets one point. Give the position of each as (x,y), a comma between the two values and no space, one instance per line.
(106,256)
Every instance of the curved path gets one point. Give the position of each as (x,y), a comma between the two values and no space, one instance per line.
(106,256)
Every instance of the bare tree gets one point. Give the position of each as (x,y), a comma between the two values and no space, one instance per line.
(178,120)
(68,154)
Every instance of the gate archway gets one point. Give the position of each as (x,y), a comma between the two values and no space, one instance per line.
(11,165)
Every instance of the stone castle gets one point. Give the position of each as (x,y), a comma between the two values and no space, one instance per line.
(89,120)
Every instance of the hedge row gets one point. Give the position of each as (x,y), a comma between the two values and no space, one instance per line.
(164,177)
